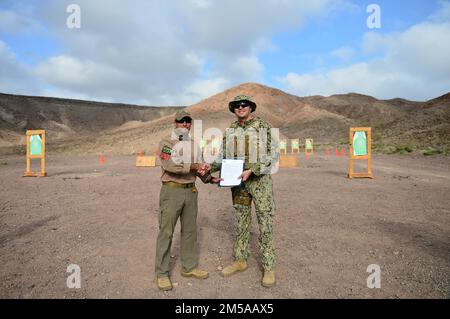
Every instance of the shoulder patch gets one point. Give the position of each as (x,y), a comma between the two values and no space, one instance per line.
(166,152)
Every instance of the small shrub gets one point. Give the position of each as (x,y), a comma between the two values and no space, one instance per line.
(400,149)
(432,151)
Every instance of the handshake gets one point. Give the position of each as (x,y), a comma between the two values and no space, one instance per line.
(201,168)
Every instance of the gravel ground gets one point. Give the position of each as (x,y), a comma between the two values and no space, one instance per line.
(328,230)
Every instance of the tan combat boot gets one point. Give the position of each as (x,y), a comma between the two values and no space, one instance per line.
(268,279)
(164,283)
(237,266)
(196,273)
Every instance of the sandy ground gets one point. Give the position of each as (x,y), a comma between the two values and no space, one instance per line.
(328,229)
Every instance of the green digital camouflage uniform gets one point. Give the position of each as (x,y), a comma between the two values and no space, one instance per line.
(258,188)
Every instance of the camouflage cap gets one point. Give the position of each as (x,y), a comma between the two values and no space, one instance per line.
(182,113)
(242,98)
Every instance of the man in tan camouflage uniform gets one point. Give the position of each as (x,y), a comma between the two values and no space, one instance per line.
(180,164)
(256,186)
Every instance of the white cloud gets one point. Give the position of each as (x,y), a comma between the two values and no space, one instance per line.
(66,70)
(176,51)
(443,15)
(13,22)
(415,64)
(196,91)
(344,53)
(422,50)
(15,77)
(365,78)
(202,3)
(121,52)
(244,68)
(234,26)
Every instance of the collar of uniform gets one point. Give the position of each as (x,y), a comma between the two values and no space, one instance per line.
(246,123)
(177,138)
(175,135)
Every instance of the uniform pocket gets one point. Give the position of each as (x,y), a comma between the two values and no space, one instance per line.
(163,200)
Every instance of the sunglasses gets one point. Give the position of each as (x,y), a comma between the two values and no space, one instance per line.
(238,106)
(184,119)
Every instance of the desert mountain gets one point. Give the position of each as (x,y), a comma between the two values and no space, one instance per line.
(427,125)
(68,119)
(84,126)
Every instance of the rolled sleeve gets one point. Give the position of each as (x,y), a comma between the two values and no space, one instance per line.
(255,168)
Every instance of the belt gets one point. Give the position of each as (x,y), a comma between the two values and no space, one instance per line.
(178,185)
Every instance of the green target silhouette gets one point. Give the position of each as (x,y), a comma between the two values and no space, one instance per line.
(360,143)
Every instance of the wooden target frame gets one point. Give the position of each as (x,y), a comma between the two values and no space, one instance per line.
(293,148)
(309,151)
(28,172)
(368,156)
(284,143)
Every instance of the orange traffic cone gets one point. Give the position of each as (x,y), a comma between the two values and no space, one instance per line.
(102,158)
(328,152)
(141,153)
(155,151)
(342,152)
(336,152)
(306,155)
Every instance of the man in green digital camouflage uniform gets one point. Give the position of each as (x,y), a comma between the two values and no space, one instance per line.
(256,186)
(180,164)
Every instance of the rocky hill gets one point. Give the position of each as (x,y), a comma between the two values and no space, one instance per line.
(68,119)
(398,125)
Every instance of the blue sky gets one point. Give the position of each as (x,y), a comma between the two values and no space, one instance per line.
(345,27)
(179,52)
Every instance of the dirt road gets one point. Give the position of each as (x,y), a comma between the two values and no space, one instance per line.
(328,229)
